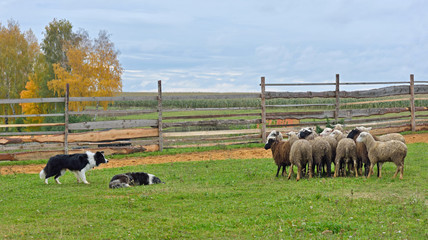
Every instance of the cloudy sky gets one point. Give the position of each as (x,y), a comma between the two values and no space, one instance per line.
(227,45)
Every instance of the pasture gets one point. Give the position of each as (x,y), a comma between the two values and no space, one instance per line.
(228,199)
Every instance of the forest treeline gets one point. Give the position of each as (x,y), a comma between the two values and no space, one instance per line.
(29,69)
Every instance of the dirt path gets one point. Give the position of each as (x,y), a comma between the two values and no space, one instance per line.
(244,153)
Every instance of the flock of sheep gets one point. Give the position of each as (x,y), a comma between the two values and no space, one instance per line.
(348,151)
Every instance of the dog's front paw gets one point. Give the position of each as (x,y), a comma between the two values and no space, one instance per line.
(86,182)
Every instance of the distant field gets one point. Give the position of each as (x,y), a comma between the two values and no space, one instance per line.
(230,199)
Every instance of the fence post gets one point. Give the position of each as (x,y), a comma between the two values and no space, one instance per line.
(160,115)
(412,103)
(336,112)
(67,92)
(263,103)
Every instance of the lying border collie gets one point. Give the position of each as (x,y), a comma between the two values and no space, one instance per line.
(133,179)
(78,163)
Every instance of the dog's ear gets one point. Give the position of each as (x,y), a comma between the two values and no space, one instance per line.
(102,152)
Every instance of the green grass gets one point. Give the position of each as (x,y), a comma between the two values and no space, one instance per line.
(230,199)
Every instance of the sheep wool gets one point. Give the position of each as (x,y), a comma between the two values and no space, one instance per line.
(300,155)
(280,151)
(346,153)
(390,151)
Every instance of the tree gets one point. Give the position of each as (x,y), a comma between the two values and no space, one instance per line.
(94,71)
(17,55)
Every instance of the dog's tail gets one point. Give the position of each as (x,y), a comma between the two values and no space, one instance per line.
(117,184)
(42,174)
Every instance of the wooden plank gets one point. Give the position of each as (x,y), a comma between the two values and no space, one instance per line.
(412,103)
(98,136)
(210,133)
(159,123)
(326,94)
(4,141)
(380,92)
(376,101)
(210,144)
(66,122)
(113,112)
(209,109)
(32,115)
(112,124)
(32,146)
(211,123)
(31,125)
(213,116)
(215,138)
(214,96)
(263,106)
(337,105)
(22,156)
(112,99)
(378,123)
(30,133)
(300,115)
(31,100)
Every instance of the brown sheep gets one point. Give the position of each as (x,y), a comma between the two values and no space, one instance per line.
(280,151)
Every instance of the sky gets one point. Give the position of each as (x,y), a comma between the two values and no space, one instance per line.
(228,45)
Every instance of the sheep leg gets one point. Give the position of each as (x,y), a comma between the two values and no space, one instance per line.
(328,169)
(370,170)
(380,170)
(401,171)
(336,170)
(291,171)
(284,170)
(366,169)
(311,170)
(355,167)
(277,172)
(396,172)
(299,171)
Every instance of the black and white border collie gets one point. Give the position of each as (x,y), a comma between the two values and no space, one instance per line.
(133,179)
(78,163)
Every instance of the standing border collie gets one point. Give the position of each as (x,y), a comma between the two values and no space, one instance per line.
(133,179)
(78,163)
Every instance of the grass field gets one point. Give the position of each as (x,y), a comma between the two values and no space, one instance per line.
(230,199)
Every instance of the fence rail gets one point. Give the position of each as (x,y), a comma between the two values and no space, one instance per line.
(175,127)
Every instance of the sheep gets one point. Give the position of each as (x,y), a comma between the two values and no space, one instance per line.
(390,151)
(300,155)
(346,152)
(326,132)
(338,135)
(339,127)
(321,150)
(280,151)
(362,154)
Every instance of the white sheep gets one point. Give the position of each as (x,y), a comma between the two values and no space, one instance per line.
(362,154)
(300,155)
(346,153)
(280,150)
(390,151)
(321,150)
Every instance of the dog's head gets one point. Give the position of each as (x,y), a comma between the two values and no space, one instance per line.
(99,158)
(155,180)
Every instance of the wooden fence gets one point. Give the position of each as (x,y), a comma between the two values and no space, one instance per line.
(160,127)
(392,118)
